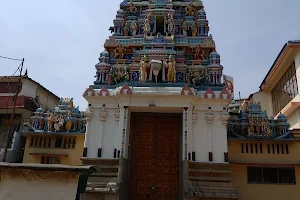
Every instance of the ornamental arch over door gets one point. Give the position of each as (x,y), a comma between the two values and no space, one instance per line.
(154,158)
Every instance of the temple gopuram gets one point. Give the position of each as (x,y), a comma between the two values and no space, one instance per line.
(55,136)
(157,116)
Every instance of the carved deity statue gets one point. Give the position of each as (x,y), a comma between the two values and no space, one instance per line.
(147,25)
(51,120)
(68,125)
(194,31)
(171,25)
(200,78)
(59,122)
(119,52)
(143,70)
(199,53)
(171,70)
(133,28)
(132,9)
(191,9)
(184,28)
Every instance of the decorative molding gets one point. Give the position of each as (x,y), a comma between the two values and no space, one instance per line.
(209,116)
(125,90)
(103,114)
(117,114)
(224,117)
(89,113)
(186,91)
(209,94)
(104,92)
(89,92)
(225,92)
(194,117)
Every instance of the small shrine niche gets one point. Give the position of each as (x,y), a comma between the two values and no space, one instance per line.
(64,117)
(253,123)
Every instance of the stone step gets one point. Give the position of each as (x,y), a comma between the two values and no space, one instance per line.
(211,184)
(216,166)
(208,178)
(108,166)
(211,170)
(104,175)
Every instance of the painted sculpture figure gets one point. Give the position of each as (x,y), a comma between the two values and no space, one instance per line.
(119,52)
(132,9)
(61,118)
(171,25)
(50,122)
(143,70)
(147,25)
(199,53)
(171,70)
(191,9)
(184,28)
(134,28)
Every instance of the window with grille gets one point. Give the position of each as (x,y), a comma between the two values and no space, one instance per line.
(50,160)
(285,90)
(271,175)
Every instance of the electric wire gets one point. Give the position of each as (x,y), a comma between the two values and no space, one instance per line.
(16,59)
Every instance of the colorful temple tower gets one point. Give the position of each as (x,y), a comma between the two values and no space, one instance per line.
(55,136)
(156,120)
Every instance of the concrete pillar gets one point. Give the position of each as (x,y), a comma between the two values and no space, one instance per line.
(194,119)
(103,116)
(117,147)
(209,119)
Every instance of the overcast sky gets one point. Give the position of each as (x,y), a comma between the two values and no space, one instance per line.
(62,39)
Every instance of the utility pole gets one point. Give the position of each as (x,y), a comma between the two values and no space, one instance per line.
(8,135)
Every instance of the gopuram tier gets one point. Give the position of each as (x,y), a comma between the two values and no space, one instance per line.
(157,109)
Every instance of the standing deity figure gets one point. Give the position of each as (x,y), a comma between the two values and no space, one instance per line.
(143,70)
(199,53)
(69,121)
(171,70)
(133,28)
(194,31)
(119,52)
(191,9)
(147,26)
(171,25)
(184,28)
(132,9)
(51,120)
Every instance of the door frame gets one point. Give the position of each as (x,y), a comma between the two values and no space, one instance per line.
(180,147)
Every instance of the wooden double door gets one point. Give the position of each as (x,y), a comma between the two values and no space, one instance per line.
(154,156)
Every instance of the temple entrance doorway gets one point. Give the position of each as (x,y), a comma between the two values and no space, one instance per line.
(154,156)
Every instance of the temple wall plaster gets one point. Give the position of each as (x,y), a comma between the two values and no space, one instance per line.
(113,130)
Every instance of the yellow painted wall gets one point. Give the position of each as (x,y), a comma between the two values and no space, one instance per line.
(235,154)
(73,158)
(263,191)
